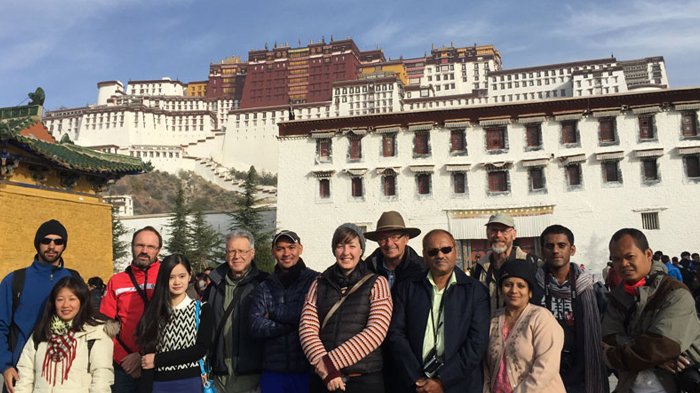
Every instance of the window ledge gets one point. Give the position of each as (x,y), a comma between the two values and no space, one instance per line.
(497,151)
(533,148)
(571,145)
(497,193)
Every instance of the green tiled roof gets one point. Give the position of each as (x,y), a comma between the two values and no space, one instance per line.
(68,155)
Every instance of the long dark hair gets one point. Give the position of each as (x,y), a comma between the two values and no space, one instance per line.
(42,331)
(158,311)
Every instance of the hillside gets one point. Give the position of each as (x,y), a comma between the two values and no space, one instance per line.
(154,192)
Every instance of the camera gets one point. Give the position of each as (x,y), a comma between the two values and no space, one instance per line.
(432,364)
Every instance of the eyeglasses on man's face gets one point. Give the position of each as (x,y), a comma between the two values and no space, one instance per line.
(238,252)
(47,240)
(394,238)
(433,252)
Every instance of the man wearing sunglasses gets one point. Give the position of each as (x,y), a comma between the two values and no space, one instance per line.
(440,324)
(19,308)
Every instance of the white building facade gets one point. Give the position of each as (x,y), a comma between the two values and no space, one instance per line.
(593,164)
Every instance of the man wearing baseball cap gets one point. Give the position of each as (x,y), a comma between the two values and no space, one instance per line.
(394,258)
(501,233)
(275,312)
(19,308)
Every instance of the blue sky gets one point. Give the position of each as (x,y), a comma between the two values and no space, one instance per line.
(67,46)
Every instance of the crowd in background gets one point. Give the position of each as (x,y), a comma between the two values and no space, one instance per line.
(398,320)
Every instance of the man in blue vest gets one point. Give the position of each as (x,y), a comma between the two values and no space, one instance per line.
(20,309)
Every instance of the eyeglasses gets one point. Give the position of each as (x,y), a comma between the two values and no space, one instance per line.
(238,252)
(48,240)
(147,247)
(394,238)
(434,251)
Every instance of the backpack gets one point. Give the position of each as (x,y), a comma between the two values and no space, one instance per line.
(18,280)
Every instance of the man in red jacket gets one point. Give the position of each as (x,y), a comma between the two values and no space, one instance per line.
(125,300)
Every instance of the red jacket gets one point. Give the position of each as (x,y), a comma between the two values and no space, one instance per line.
(123,302)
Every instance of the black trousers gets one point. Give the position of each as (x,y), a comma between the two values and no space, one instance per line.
(366,383)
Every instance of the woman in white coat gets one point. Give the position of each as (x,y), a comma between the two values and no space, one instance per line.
(69,350)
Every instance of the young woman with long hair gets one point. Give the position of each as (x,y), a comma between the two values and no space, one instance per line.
(168,332)
(69,350)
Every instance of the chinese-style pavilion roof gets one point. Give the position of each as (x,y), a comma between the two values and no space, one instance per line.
(14,132)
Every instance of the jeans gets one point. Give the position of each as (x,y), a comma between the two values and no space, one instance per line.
(123,383)
(278,382)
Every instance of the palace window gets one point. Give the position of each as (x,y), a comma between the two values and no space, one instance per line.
(647,128)
(389,145)
(421,144)
(357,188)
(611,171)
(324,188)
(692,166)
(496,139)
(689,124)
(458,142)
(323,150)
(389,185)
(569,132)
(607,134)
(355,148)
(536,179)
(650,170)
(459,183)
(650,221)
(533,136)
(423,181)
(498,182)
(573,175)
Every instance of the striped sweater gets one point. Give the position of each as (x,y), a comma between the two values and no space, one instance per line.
(360,345)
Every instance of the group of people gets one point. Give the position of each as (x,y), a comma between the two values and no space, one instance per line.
(395,321)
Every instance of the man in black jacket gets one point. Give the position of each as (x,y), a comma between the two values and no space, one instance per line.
(235,354)
(274,317)
(440,325)
(394,259)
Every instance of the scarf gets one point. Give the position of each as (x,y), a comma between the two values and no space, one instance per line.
(336,275)
(291,275)
(60,351)
(595,371)
(631,289)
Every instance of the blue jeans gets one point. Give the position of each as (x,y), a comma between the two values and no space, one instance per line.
(123,383)
(277,382)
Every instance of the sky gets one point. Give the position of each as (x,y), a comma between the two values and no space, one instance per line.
(68,46)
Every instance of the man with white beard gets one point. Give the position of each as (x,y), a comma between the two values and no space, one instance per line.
(500,232)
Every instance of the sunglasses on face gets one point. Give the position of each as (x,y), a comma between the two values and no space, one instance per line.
(433,252)
(47,241)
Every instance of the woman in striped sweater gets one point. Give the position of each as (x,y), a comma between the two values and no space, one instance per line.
(345,318)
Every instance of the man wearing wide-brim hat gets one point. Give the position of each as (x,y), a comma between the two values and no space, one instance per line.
(394,259)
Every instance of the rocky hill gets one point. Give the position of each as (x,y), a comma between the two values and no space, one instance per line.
(154,192)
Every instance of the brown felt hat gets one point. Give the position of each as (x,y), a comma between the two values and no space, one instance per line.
(391,221)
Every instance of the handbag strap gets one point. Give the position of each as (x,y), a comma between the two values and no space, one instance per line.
(347,294)
(197,305)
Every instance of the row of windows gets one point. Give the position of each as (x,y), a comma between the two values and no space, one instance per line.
(498,181)
(496,138)
(154,154)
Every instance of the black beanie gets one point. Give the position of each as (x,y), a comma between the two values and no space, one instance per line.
(50,227)
(518,268)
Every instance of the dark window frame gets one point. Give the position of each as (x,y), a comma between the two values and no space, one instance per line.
(424,185)
(389,149)
(569,131)
(324,150)
(646,124)
(357,187)
(389,185)
(533,136)
(574,175)
(536,179)
(458,142)
(691,167)
(607,131)
(498,134)
(648,166)
(460,186)
(496,186)
(689,125)
(324,188)
(611,172)
(421,144)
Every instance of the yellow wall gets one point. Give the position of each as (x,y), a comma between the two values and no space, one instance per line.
(197,89)
(86,218)
(398,69)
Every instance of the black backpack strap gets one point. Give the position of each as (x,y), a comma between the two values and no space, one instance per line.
(90,343)
(17,287)
(141,291)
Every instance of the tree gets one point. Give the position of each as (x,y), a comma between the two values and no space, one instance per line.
(205,243)
(249,217)
(179,227)
(120,248)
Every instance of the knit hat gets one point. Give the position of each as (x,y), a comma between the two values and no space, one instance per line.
(518,268)
(51,227)
(354,228)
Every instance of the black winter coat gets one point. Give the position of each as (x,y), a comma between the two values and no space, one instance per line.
(466,332)
(412,266)
(274,317)
(247,355)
